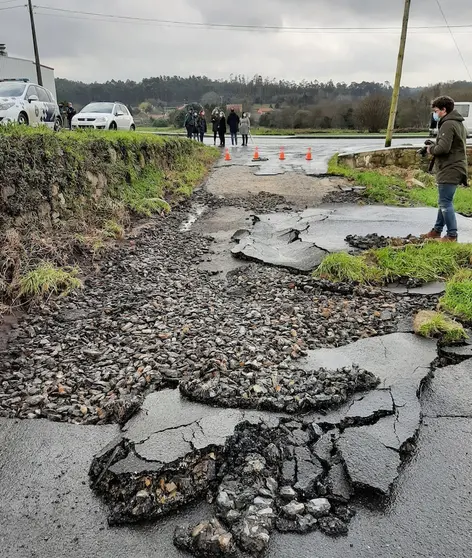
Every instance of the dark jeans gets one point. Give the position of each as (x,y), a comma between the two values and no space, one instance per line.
(245,137)
(222,138)
(215,135)
(446,213)
(189,132)
(202,135)
(234,138)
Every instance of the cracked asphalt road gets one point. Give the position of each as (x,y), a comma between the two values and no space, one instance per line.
(47,508)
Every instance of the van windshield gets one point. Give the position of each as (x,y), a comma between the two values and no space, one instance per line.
(463,110)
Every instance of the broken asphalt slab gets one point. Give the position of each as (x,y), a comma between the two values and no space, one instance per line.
(403,362)
(174,451)
(450,394)
(429,512)
(53,460)
(298,240)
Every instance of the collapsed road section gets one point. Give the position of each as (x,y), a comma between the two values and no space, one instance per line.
(263,471)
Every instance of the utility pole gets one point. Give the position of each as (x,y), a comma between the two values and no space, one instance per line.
(35,44)
(398,76)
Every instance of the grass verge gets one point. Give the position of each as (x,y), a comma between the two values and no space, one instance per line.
(391,186)
(63,195)
(431,261)
(261,131)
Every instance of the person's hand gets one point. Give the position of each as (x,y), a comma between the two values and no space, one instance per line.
(428,149)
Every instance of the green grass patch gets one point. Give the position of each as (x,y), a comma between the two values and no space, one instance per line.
(341,267)
(431,261)
(457,299)
(387,190)
(47,279)
(394,190)
(436,324)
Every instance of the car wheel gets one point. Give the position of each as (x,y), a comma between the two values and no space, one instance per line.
(23,119)
(133,128)
(113,126)
(57,124)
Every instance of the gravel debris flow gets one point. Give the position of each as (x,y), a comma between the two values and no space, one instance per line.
(149,317)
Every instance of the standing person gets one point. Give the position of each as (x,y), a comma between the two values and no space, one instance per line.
(215,120)
(189,123)
(233,123)
(450,157)
(195,126)
(244,128)
(222,129)
(201,126)
(71,112)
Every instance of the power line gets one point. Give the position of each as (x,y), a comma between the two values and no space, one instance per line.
(7,1)
(231,26)
(318,32)
(454,39)
(12,7)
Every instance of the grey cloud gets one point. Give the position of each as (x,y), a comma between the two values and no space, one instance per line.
(95,50)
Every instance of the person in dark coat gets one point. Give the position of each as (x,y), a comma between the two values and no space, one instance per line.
(71,112)
(222,129)
(189,124)
(215,120)
(233,123)
(201,126)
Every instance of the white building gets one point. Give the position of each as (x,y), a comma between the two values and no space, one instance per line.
(18,68)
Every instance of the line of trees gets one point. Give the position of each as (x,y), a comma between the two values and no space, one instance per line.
(307,104)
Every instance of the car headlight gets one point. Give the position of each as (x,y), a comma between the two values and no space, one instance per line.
(101,119)
(6,106)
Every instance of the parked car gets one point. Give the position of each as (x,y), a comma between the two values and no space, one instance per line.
(29,104)
(104,116)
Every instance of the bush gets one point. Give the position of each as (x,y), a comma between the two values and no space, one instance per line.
(161,123)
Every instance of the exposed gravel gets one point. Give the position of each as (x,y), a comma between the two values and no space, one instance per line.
(149,317)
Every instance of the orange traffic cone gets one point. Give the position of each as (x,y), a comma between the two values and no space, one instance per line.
(309,156)
(256,154)
(227,155)
(282,154)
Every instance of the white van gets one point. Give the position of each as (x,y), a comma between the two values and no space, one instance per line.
(464,108)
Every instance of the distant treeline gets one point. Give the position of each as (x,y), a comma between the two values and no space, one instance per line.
(305,104)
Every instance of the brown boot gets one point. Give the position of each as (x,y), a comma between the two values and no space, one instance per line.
(448,239)
(433,233)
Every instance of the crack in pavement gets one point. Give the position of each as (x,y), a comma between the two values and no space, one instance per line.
(166,430)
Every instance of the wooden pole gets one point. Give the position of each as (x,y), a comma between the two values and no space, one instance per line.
(398,76)
(35,45)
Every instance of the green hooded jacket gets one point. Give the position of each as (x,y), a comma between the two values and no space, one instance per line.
(450,150)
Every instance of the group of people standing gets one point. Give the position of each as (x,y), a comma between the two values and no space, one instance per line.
(196,126)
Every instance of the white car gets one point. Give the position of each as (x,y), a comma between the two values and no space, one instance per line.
(104,116)
(27,103)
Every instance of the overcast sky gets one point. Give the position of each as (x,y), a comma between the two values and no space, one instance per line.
(91,50)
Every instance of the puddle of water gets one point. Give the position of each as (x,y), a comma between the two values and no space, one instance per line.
(197,211)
